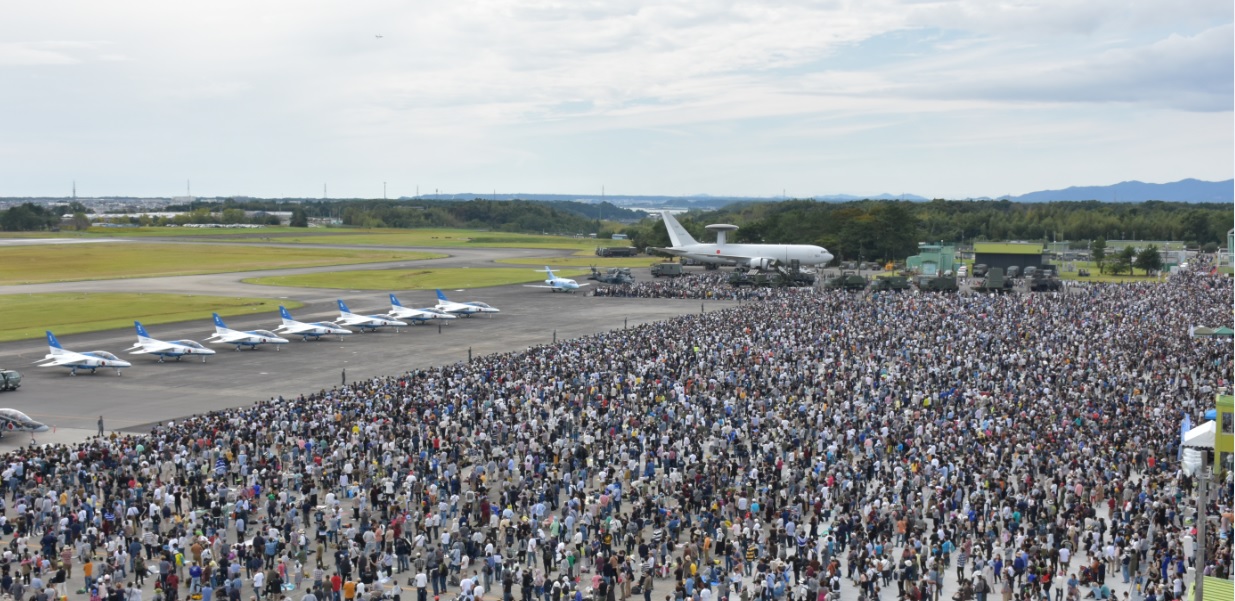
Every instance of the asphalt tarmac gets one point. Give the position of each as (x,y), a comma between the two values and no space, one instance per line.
(150,392)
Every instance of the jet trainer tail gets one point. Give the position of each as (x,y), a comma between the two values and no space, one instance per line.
(53,345)
(287,317)
(677,234)
(394,301)
(441,296)
(219,327)
(343,307)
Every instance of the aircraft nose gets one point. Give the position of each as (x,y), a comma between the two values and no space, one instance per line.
(121,364)
(41,428)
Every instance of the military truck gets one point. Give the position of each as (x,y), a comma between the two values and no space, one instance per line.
(10,379)
(1044,281)
(776,279)
(669,270)
(846,281)
(980,270)
(745,278)
(614,275)
(937,283)
(994,281)
(617,251)
(891,282)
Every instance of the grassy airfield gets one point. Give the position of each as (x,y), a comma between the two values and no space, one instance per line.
(28,315)
(430,237)
(413,279)
(76,262)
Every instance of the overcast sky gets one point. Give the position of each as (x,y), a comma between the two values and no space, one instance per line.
(946,99)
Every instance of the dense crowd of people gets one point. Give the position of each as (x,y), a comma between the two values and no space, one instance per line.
(814,446)
(710,285)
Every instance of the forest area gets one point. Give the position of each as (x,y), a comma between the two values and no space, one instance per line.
(893,229)
(883,229)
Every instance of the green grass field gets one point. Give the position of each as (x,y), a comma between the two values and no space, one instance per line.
(1095,276)
(413,279)
(28,315)
(73,262)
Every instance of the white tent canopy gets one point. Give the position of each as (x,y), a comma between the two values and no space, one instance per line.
(1201,436)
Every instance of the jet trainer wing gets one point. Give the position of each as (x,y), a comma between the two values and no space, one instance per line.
(61,359)
(151,347)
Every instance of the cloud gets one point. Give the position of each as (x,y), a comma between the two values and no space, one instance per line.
(460,89)
(29,54)
(1191,73)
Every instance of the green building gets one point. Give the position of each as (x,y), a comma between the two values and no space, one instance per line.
(932,259)
(1224,432)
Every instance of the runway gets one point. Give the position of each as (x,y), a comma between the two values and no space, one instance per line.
(150,392)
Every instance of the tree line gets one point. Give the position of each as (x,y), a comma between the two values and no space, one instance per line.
(868,229)
(891,230)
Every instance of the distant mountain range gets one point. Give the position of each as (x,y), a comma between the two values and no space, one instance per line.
(1187,190)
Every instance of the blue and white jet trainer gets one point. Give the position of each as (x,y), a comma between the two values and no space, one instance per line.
(251,338)
(12,420)
(306,330)
(57,356)
(175,348)
(368,323)
(416,316)
(556,284)
(464,309)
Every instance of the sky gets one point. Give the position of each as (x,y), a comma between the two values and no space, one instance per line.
(944,99)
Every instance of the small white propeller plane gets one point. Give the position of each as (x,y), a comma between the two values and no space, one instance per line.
(251,338)
(368,323)
(162,349)
(555,284)
(305,330)
(57,356)
(420,316)
(464,309)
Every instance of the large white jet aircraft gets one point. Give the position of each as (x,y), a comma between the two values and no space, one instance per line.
(163,350)
(554,283)
(251,338)
(398,311)
(306,330)
(57,356)
(367,322)
(12,420)
(754,256)
(464,309)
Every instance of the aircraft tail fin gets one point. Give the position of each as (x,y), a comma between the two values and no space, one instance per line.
(343,307)
(219,326)
(442,296)
(677,234)
(548,272)
(394,301)
(284,314)
(53,345)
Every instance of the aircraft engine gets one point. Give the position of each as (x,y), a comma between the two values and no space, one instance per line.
(760,263)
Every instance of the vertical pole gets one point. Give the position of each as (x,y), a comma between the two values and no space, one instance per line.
(1198,583)
(554,335)
(469,354)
